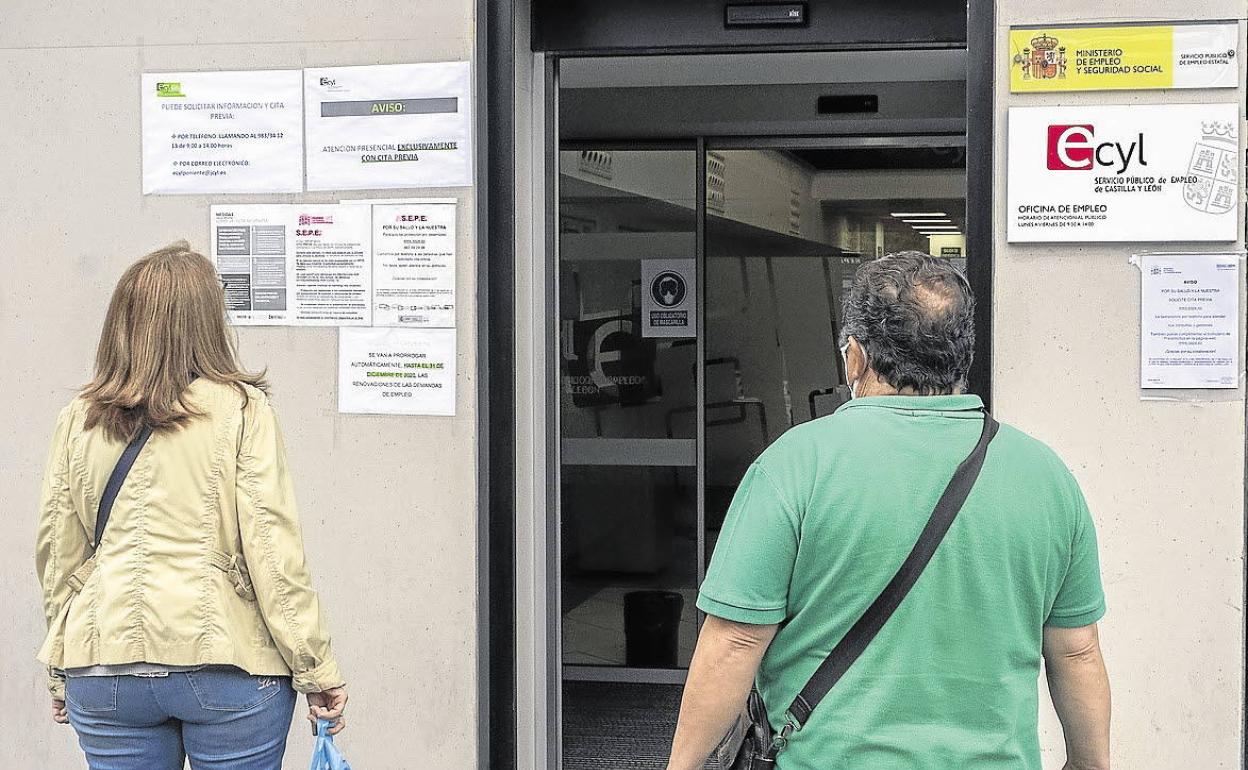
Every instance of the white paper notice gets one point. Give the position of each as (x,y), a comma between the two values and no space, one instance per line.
(396,371)
(294,264)
(222,132)
(1152,172)
(414,265)
(389,126)
(669,297)
(1189,321)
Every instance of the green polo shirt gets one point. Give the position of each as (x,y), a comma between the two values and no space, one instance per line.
(820,524)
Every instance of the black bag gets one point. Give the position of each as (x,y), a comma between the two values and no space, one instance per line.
(760,744)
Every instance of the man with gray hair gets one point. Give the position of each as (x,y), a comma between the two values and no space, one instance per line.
(828,516)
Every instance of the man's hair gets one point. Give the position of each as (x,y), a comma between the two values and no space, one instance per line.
(913,314)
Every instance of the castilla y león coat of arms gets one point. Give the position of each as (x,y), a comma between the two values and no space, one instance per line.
(1044,60)
(1213,172)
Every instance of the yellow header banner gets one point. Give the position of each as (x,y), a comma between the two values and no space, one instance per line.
(1124,57)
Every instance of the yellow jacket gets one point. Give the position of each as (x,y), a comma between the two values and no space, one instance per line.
(202,561)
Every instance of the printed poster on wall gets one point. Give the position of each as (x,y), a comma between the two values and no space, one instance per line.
(294,264)
(414,247)
(1123,173)
(389,126)
(1092,58)
(669,297)
(396,371)
(222,132)
(1189,320)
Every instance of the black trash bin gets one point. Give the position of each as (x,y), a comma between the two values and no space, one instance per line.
(652,628)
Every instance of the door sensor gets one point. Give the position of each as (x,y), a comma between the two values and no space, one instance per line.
(843,103)
(766,15)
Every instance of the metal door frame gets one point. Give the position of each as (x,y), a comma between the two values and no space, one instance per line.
(540,608)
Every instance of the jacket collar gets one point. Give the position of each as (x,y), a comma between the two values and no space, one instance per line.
(961,403)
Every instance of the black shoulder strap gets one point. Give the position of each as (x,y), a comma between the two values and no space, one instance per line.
(868,626)
(117,479)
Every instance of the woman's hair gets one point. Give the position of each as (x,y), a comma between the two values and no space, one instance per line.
(165,326)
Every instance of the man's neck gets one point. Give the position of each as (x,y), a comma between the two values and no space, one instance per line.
(872,385)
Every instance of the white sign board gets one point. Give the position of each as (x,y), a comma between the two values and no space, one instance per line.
(1189,321)
(222,132)
(294,264)
(1124,173)
(669,298)
(396,371)
(389,126)
(414,248)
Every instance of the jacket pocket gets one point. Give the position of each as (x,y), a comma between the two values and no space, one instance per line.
(236,571)
(225,688)
(94,694)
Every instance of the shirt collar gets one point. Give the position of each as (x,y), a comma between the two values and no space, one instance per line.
(961,403)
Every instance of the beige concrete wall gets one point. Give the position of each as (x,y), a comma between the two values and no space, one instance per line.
(1165,481)
(388,503)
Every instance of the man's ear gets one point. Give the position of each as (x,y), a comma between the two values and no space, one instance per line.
(855,360)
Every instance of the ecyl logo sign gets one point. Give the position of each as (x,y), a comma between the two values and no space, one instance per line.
(330,84)
(167,90)
(1074,148)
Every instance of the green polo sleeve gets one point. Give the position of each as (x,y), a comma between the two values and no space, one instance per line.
(748,578)
(1081,598)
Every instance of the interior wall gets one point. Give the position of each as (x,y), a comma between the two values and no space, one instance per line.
(938,242)
(772,342)
(761,188)
(1164,480)
(875,185)
(388,503)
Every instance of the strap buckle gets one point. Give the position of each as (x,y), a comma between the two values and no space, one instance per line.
(781,739)
(233,567)
(78,579)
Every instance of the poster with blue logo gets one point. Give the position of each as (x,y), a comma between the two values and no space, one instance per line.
(1124,173)
(669,298)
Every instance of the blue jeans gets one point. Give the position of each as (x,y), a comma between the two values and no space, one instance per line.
(221,717)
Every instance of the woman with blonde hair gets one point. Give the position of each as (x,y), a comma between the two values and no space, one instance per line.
(181,615)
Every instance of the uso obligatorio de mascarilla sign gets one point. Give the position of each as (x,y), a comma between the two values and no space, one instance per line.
(1125,173)
(1124,57)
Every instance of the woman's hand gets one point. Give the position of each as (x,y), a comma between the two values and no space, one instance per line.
(328,705)
(59,714)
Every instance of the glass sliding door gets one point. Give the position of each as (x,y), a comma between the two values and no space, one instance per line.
(787,225)
(630,547)
(699,304)
(630,540)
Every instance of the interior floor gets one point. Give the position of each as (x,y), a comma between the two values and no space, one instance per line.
(619,725)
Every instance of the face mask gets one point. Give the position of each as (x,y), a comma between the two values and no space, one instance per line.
(853,386)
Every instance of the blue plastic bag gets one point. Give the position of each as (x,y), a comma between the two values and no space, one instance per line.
(326,755)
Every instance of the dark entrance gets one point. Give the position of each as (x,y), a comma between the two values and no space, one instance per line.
(754,184)
(700,283)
